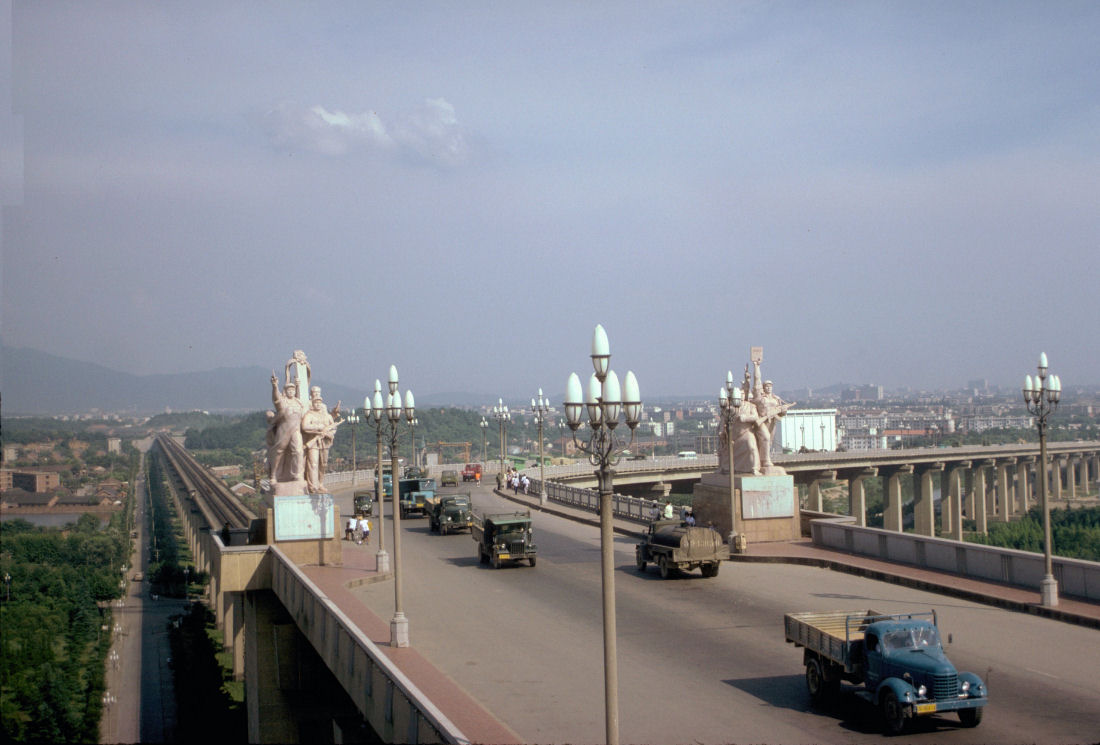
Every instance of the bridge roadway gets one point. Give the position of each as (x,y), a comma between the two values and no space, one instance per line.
(700,660)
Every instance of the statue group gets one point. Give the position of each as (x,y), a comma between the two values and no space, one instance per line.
(753,425)
(300,431)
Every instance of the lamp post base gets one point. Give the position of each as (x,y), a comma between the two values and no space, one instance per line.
(1048,592)
(383,560)
(399,630)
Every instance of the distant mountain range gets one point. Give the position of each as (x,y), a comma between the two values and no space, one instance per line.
(37,383)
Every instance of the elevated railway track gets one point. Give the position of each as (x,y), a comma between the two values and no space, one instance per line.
(205,493)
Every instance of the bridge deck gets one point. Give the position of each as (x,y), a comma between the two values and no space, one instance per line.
(477,723)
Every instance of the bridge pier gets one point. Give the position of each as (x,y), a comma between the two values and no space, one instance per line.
(924,512)
(892,513)
(1004,488)
(951,519)
(857,494)
(981,497)
(1023,467)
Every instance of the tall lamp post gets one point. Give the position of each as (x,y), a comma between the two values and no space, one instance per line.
(484,426)
(729,400)
(1041,398)
(399,624)
(604,402)
(540,407)
(373,411)
(352,418)
(501,415)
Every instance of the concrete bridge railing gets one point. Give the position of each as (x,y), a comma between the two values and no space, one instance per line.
(1008,566)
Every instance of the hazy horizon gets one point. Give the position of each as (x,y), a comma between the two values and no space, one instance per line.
(893,193)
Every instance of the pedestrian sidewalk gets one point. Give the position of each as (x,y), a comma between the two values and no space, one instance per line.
(803,551)
(360,567)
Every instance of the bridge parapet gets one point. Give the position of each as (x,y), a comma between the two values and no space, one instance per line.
(1075,577)
(392,704)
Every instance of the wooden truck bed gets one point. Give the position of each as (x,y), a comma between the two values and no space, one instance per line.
(829,633)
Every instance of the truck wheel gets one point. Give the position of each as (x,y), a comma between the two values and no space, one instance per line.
(640,563)
(815,681)
(893,713)
(971,717)
(482,557)
(662,565)
(710,570)
(532,560)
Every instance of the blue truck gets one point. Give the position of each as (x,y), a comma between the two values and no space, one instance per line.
(414,495)
(897,659)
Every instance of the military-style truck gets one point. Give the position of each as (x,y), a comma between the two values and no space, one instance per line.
(504,537)
(675,546)
(472,472)
(363,503)
(449,512)
(896,658)
(413,495)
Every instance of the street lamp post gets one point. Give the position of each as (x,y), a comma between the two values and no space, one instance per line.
(540,407)
(730,400)
(373,410)
(484,426)
(399,624)
(353,419)
(1041,398)
(501,415)
(604,402)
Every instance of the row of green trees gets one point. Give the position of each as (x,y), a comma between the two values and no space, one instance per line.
(52,619)
(1075,533)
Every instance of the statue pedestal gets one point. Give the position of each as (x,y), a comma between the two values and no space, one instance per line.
(765,506)
(304,527)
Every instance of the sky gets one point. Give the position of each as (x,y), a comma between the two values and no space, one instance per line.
(898,193)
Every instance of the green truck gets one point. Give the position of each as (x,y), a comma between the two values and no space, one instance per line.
(363,503)
(413,495)
(504,537)
(450,512)
(897,659)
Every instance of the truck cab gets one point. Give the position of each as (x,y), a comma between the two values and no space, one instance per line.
(450,512)
(414,494)
(504,537)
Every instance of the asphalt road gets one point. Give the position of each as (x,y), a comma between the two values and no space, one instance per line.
(704,660)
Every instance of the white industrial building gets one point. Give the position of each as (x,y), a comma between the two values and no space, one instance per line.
(814,429)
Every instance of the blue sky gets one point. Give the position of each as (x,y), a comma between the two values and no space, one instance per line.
(903,193)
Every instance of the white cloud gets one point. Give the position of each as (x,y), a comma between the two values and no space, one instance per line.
(430,133)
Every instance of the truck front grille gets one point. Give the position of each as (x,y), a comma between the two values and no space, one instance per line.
(945,686)
(517,547)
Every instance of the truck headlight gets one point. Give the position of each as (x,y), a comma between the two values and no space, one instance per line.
(966,686)
(922,692)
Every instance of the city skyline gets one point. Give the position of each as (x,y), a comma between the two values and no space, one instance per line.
(889,193)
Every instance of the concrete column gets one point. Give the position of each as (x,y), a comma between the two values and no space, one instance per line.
(924,514)
(1022,467)
(979,500)
(815,496)
(1004,490)
(1056,465)
(857,495)
(1071,476)
(952,518)
(892,513)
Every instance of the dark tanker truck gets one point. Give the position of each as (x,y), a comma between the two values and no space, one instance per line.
(674,546)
